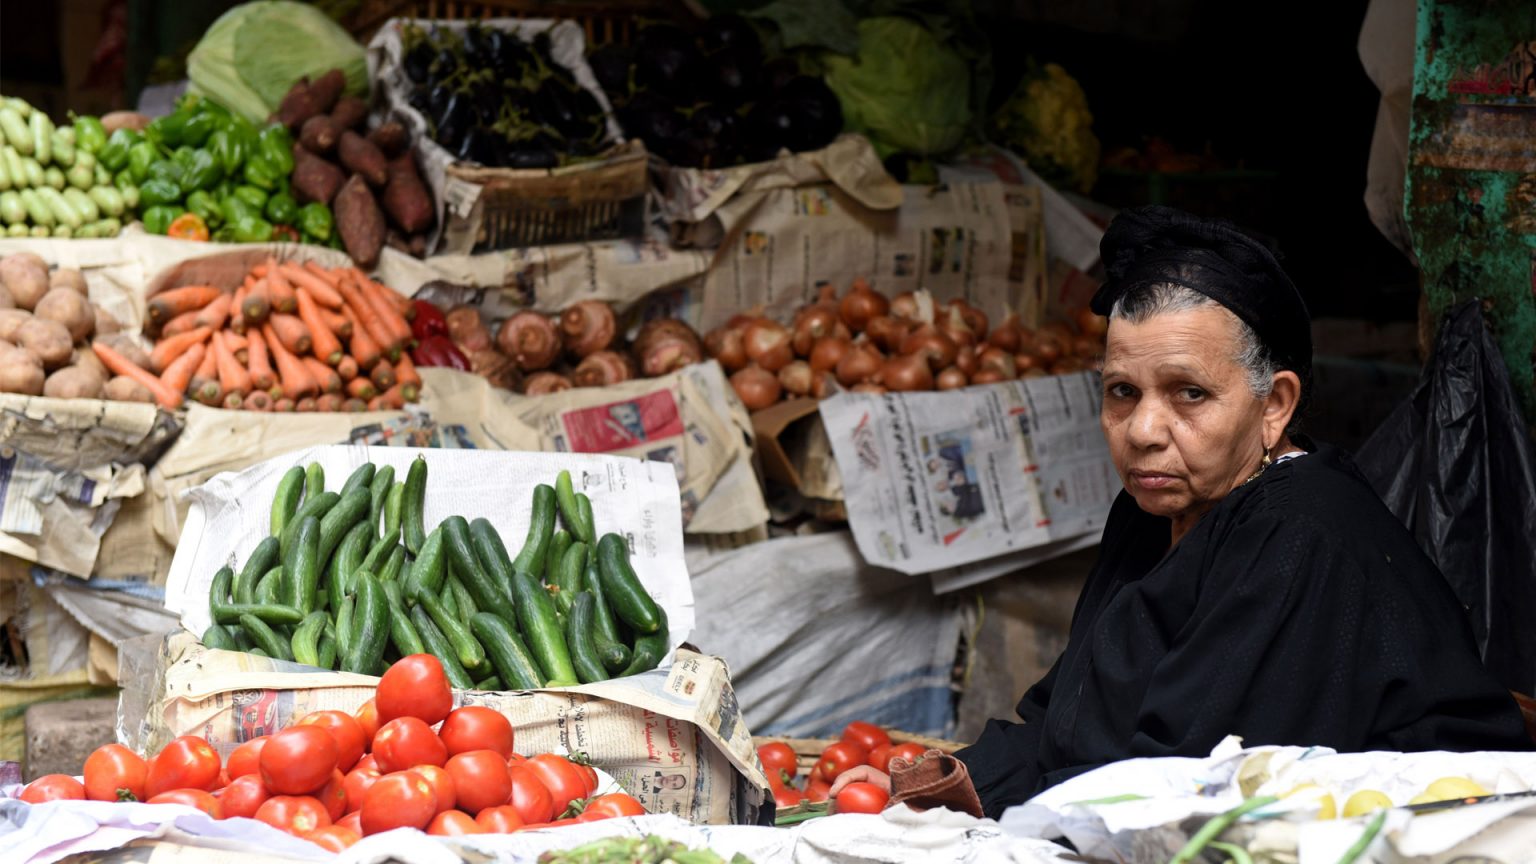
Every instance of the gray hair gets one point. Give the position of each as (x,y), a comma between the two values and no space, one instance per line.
(1143,302)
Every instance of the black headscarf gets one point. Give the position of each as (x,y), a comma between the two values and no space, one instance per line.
(1149,245)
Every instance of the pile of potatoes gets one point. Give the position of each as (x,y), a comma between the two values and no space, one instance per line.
(46,326)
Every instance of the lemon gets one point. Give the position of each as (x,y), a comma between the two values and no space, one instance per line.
(1453,788)
(1326,807)
(1365,801)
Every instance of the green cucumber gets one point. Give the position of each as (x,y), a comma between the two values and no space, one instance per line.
(469,652)
(489,594)
(450,600)
(301,565)
(430,568)
(265,638)
(394,504)
(622,589)
(285,503)
(584,515)
(346,613)
(490,551)
(568,572)
(274,614)
(218,590)
(437,644)
(269,586)
(605,631)
(218,638)
(648,650)
(349,511)
(317,507)
(413,509)
(462,600)
(491,683)
(263,558)
(349,556)
(305,643)
(558,544)
(570,512)
(370,627)
(378,490)
(514,664)
(536,619)
(327,651)
(402,633)
(578,636)
(392,567)
(360,479)
(540,528)
(314,480)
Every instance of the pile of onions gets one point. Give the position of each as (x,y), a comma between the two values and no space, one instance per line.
(588,327)
(530,339)
(602,368)
(756,387)
(544,383)
(666,345)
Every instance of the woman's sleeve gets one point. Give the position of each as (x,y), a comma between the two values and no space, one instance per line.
(1002,761)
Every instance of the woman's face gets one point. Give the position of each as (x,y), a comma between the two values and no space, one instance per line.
(1184,429)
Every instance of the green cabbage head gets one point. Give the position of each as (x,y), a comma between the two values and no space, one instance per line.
(904,89)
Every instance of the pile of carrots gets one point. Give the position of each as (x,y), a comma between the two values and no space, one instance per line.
(293,337)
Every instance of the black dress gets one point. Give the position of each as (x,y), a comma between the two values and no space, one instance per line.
(1297,611)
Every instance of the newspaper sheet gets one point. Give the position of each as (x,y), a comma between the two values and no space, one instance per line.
(674,738)
(937,480)
(639,500)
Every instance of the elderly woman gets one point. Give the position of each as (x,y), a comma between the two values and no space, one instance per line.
(1249,582)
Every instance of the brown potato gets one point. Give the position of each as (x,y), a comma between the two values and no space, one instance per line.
(26,276)
(10,354)
(130,348)
(106,324)
(73,382)
(125,389)
(85,358)
(6,300)
(11,321)
(69,308)
(68,277)
(21,378)
(49,340)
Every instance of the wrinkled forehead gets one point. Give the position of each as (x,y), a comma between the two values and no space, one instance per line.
(1203,338)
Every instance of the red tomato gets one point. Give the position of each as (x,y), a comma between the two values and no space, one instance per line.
(298,760)
(476,727)
(817,790)
(529,795)
(247,757)
(867,735)
(861,798)
(453,823)
(333,838)
(443,786)
(352,822)
(115,773)
(346,731)
(516,759)
(358,782)
(880,756)
(53,787)
(367,716)
(334,795)
(777,756)
(243,796)
(481,778)
(406,742)
(414,686)
(613,806)
(296,814)
(402,800)
(499,820)
(787,796)
(199,798)
(589,774)
(564,780)
(910,751)
(839,758)
(185,763)
(367,763)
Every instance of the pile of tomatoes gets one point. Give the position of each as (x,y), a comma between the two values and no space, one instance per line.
(862,744)
(406,759)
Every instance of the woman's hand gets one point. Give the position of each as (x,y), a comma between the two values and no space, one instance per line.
(861,774)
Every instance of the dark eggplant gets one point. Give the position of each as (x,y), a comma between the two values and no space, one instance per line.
(531,155)
(770,126)
(730,81)
(779,72)
(716,123)
(650,119)
(418,61)
(734,35)
(667,63)
(611,64)
(818,115)
(477,46)
(421,99)
(487,100)
(559,107)
(444,63)
(454,122)
(437,100)
(509,54)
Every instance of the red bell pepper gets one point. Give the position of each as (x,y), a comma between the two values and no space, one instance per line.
(428,320)
(438,351)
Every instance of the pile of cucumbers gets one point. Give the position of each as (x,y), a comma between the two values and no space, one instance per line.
(51,183)
(352,580)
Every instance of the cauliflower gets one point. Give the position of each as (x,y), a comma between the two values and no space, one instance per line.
(1048,122)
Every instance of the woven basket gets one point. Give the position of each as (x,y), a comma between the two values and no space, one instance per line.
(808,750)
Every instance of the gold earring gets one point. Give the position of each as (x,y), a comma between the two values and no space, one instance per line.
(1266,461)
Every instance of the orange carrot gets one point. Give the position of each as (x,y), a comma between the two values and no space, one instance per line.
(382,375)
(257,305)
(216,313)
(397,301)
(259,270)
(168,304)
(347,368)
(292,331)
(324,342)
(167,398)
(330,276)
(364,348)
(256,361)
(237,310)
(361,388)
(167,350)
(364,314)
(295,379)
(319,289)
(237,345)
(179,374)
(408,378)
(205,381)
(306,404)
(284,405)
(233,401)
(281,290)
(356,406)
(390,314)
(392,398)
(250,281)
(232,376)
(258,401)
(186,322)
(329,381)
(338,322)
(329,402)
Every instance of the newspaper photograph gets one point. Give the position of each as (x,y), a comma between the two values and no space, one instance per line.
(938,480)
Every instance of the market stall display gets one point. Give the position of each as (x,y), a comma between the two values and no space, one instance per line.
(53,179)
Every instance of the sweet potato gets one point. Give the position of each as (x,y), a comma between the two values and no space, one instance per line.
(125,389)
(26,276)
(326,89)
(360,156)
(68,277)
(360,222)
(349,112)
(319,134)
(48,340)
(391,139)
(406,197)
(11,321)
(105,322)
(70,308)
(73,382)
(115,120)
(314,179)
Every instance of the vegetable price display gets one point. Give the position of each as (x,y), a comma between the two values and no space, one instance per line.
(327,779)
(56,181)
(331,588)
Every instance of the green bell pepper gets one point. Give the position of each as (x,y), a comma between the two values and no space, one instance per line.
(140,157)
(90,135)
(236,208)
(200,126)
(252,229)
(115,154)
(282,209)
(315,220)
(169,130)
(203,171)
(259,171)
(277,146)
(183,156)
(231,145)
(123,179)
(166,169)
(155,193)
(204,205)
(157,220)
(253,196)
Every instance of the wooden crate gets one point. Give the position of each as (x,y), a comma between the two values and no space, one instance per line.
(604,21)
(808,750)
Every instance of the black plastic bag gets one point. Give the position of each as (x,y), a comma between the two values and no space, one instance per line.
(1455,465)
